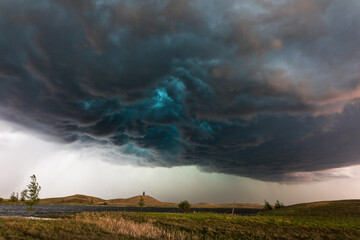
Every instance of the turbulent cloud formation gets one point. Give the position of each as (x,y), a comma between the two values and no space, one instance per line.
(263,89)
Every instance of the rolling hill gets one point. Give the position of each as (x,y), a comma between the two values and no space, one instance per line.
(74,199)
(326,209)
(79,199)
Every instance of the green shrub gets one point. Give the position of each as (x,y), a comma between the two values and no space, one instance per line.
(184,206)
(267,206)
(23,195)
(1,200)
(278,204)
(14,197)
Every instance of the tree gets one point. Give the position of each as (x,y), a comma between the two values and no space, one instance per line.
(23,195)
(267,206)
(141,202)
(278,204)
(184,206)
(14,197)
(32,194)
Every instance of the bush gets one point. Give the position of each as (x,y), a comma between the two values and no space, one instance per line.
(1,200)
(184,206)
(267,206)
(278,204)
(23,195)
(14,197)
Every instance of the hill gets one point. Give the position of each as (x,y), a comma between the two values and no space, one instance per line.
(88,200)
(228,205)
(133,201)
(79,199)
(73,199)
(323,209)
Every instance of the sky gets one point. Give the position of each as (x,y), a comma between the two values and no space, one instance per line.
(204,100)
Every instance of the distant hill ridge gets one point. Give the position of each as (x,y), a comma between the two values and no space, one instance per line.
(133,201)
(84,199)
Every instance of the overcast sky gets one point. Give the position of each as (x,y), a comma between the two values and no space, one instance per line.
(186,99)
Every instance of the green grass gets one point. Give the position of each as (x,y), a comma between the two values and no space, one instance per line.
(326,220)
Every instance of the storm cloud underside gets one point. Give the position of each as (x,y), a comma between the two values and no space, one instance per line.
(262,89)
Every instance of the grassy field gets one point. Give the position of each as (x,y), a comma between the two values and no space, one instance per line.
(323,220)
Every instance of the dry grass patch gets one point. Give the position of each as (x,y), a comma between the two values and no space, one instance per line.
(127,227)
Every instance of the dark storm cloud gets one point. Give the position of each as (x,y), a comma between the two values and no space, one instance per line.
(263,89)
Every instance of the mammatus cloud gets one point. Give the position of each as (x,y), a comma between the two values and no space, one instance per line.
(263,89)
